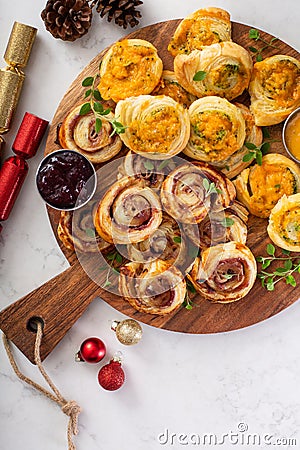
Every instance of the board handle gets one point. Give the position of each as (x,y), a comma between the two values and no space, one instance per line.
(57,304)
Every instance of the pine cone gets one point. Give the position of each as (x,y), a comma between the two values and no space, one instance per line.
(122,11)
(67,19)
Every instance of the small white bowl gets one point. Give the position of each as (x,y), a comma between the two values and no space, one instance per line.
(90,184)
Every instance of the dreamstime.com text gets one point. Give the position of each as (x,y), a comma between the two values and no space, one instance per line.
(240,437)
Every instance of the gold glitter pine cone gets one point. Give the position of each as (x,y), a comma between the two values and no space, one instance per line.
(123,12)
(67,19)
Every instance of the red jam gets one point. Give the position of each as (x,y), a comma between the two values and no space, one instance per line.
(62,176)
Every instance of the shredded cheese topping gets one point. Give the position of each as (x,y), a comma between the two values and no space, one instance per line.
(268,183)
(156,132)
(281,80)
(130,71)
(215,134)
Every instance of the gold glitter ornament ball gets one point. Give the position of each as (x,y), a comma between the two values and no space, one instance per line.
(128,331)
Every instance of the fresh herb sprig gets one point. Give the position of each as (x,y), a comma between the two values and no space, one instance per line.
(210,187)
(256,36)
(256,152)
(188,302)
(290,266)
(93,97)
(112,258)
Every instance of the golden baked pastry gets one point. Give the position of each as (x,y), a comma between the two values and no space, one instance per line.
(76,231)
(274,89)
(167,243)
(234,164)
(260,187)
(192,190)
(224,70)
(168,85)
(227,225)
(130,67)
(152,171)
(217,129)
(225,273)
(284,223)
(128,212)
(77,132)
(154,288)
(204,27)
(157,127)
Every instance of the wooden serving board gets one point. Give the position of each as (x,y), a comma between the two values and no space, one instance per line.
(61,301)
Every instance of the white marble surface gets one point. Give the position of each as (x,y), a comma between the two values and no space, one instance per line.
(183,383)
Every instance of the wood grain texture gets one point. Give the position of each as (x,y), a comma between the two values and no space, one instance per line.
(62,300)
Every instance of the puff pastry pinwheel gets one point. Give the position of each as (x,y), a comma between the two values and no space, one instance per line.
(157,127)
(167,243)
(77,132)
(225,273)
(220,227)
(76,231)
(168,85)
(260,187)
(204,27)
(274,89)
(191,190)
(154,288)
(153,172)
(284,223)
(234,164)
(128,212)
(130,67)
(225,70)
(217,129)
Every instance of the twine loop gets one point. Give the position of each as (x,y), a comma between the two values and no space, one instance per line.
(70,408)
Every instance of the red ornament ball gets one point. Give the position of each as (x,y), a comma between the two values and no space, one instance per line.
(92,350)
(111,376)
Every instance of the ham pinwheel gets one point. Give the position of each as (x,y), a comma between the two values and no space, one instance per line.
(225,273)
(128,212)
(227,225)
(77,132)
(167,243)
(76,231)
(153,172)
(192,190)
(154,288)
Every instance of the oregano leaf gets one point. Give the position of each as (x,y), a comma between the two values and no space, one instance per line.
(98,125)
(85,109)
(88,81)
(271,249)
(199,76)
